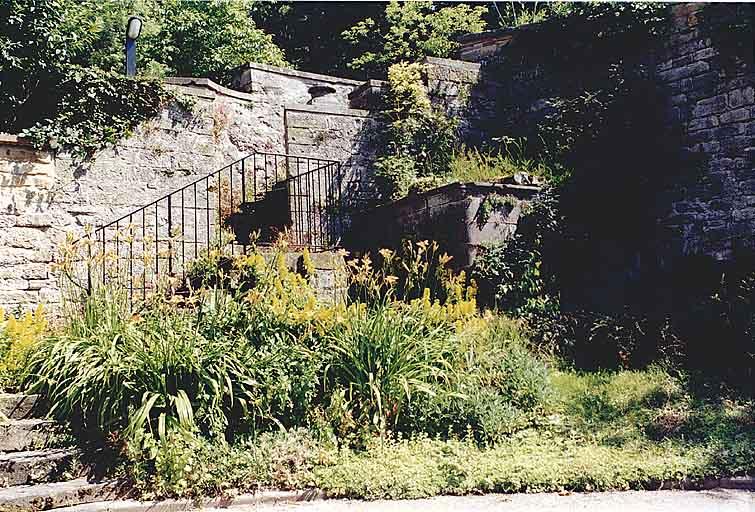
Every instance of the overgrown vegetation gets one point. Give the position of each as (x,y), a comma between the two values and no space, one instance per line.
(406,389)
(408,31)
(421,381)
(421,148)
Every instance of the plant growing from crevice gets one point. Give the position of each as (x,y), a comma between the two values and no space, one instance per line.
(419,139)
(493,203)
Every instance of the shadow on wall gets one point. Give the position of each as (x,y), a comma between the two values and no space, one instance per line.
(26,177)
(657,133)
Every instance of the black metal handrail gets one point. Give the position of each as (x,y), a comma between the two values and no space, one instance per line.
(268,194)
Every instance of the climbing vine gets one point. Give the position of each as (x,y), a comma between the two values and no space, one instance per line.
(95,108)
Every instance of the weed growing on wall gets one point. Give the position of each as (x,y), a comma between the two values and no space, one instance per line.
(419,139)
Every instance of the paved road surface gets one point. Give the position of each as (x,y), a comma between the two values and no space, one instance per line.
(658,501)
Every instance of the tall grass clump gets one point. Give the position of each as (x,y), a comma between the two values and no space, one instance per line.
(382,360)
(165,368)
(472,164)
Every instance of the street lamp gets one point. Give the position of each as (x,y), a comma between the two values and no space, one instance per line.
(133,29)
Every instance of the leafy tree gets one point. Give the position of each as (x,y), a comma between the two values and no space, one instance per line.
(61,62)
(310,32)
(33,52)
(409,31)
(180,37)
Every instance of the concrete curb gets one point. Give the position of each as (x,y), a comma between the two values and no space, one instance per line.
(742,483)
(259,498)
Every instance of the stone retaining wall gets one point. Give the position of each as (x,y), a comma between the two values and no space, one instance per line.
(45,196)
(710,100)
(454,215)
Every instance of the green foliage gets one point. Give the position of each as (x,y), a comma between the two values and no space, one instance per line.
(515,14)
(179,37)
(497,387)
(168,369)
(96,108)
(395,176)
(184,465)
(419,139)
(604,431)
(410,31)
(309,33)
(33,51)
(383,359)
(61,62)
(510,275)
(527,462)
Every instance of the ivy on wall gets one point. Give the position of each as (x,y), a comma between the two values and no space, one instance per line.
(95,108)
(61,63)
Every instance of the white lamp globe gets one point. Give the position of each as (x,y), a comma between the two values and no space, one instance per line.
(133,27)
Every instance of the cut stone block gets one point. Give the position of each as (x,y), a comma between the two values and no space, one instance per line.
(32,498)
(20,468)
(17,407)
(30,434)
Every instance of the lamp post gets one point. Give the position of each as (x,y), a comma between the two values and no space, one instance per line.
(133,29)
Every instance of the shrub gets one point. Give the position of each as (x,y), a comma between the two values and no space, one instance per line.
(383,360)
(166,368)
(513,276)
(184,465)
(18,339)
(419,140)
(394,176)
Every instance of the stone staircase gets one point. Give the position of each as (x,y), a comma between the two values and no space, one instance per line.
(39,469)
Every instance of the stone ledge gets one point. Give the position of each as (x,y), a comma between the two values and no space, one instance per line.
(323,109)
(208,84)
(452,63)
(296,73)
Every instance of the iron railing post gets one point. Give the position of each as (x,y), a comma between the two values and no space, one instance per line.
(170,235)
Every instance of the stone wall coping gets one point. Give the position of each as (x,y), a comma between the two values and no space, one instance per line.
(467,189)
(452,63)
(367,84)
(209,84)
(10,138)
(327,109)
(485,35)
(299,74)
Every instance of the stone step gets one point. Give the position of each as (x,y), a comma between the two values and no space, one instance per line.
(20,468)
(31,498)
(17,407)
(30,434)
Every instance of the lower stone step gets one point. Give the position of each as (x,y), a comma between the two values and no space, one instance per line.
(17,407)
(32,498)
(20,468)
(30,434)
